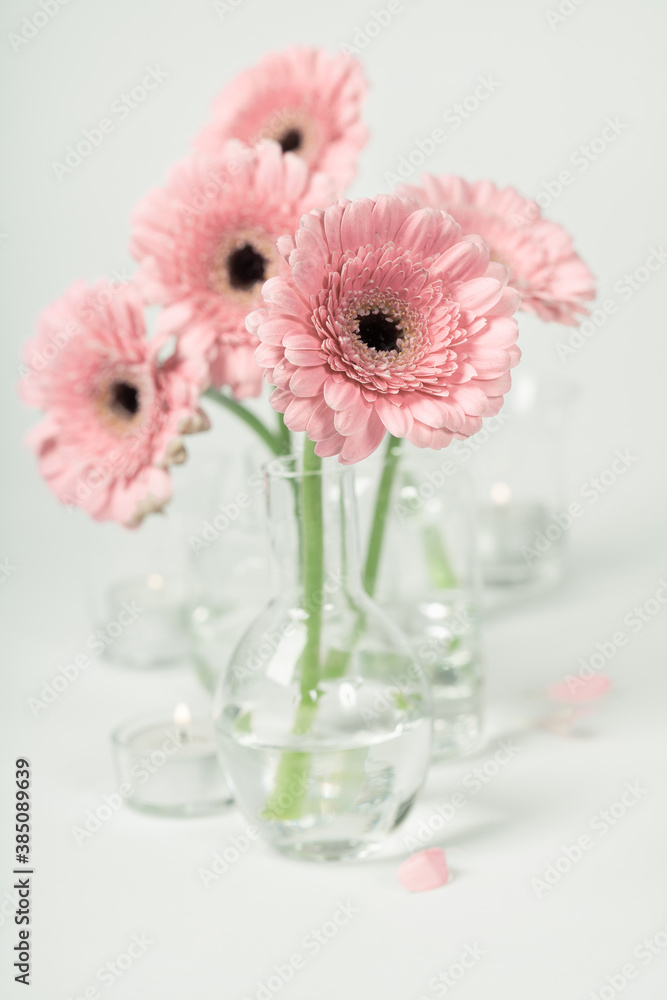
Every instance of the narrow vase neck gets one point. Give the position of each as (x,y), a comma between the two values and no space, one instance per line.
(313,520)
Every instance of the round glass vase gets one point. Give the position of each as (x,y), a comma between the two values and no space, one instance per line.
(323,716)
(425,577)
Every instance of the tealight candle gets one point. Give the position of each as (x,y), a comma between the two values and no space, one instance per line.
(146,621)
(170,767)
(517,540)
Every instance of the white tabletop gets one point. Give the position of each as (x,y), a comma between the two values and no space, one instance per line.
(602,925)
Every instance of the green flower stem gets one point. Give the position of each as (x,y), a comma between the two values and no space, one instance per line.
(337,660)
(441,574)
(289,791)
(273,441)
(380,516)
(294,767)
(313,567)
(284,435)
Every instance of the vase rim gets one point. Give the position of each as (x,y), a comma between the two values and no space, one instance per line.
(286,467)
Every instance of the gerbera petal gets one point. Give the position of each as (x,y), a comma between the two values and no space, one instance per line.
(397,419)
(304,359)
(283,373)
(329,446)
(507,304)
(421,435)
(298,413)
(268,355)
(441,438)
(356,228)
(461,262)
(489,362)
(349,421)
(341,393)
(320,422)
(388,215)
(308,381)
(276,329)
(280,399)
(358,446)
(428,231)
(478,294)
(283,296)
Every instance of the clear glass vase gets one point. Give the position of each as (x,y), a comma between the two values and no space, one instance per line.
(323,715)
(230,565)
(426,579)
(518,462)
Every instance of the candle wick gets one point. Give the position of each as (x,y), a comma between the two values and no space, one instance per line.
(183,735)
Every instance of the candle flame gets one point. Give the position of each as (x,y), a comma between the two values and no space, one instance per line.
(500,493)
(182,716)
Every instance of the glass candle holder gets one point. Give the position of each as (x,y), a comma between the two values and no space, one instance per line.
(147,588)
(169,767)
(137,593)
(518,464)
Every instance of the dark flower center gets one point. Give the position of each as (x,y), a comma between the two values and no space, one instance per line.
(125,399)
(246,267)
(291,140)
(378,331)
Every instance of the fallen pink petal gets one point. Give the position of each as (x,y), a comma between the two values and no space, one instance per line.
(578,691)
(425,870)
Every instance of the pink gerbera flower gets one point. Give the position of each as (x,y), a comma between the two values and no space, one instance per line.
(207,243)
(552,280)
(114,412)
(307,100)
(390,320)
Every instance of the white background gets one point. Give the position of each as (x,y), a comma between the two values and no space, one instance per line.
(557,84)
